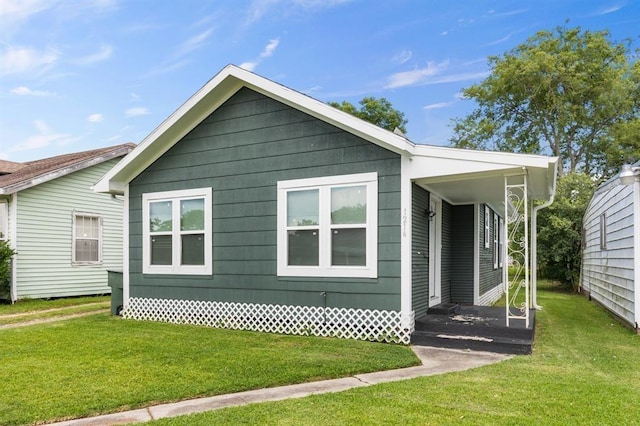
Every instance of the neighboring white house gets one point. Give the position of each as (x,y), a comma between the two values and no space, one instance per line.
(66,236)
(611,249)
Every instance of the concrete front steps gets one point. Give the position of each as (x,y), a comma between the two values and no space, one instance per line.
(476,328)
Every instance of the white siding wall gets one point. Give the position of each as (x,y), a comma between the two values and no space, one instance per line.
(44,240)
(608,274)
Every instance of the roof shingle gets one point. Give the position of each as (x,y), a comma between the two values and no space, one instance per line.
(23,175)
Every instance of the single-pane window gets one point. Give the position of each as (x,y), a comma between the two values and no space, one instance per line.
(349,247)
(160,216)
(193,249)
(349,205)
(161,249)
(86,251)
(486,226)
(192,215)
(303,248)
(603,231)
(302,208)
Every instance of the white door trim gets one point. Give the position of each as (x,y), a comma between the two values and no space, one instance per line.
(435,251)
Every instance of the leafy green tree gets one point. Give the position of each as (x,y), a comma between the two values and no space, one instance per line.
(377,111)
(567,93)
(560,229)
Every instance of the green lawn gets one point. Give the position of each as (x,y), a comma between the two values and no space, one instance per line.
(585,370)
(98,364)
(32,306)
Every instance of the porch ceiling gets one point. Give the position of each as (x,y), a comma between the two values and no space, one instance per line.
(479,177)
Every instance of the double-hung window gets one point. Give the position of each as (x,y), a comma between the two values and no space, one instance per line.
(328,227)
(177,232)
(87,239)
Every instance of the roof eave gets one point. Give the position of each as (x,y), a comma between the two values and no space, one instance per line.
(211,96)
(54,174)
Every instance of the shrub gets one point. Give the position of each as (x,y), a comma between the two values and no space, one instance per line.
(6,254)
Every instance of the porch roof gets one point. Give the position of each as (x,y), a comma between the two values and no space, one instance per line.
(464,177)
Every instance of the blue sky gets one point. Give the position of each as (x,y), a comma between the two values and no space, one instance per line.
(83,74)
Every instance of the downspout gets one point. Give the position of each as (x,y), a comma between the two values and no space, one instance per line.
(534,249)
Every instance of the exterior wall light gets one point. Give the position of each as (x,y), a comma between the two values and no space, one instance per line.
(430,213)
(628,174)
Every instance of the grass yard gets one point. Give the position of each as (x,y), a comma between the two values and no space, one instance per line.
(99,364)
(38,309)
(33,306)
(585,370)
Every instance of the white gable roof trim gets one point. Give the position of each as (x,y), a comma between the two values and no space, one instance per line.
(211,96)
(231,79)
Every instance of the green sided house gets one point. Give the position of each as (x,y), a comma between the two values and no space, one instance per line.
(66,236)
(254,206)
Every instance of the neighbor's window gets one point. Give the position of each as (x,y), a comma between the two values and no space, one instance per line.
(4,215)
(603,231)
(87,238)
(328,226)
(177,232)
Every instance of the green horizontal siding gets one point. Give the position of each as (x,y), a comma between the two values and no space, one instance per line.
(462,254)
(419,251)
(242,150)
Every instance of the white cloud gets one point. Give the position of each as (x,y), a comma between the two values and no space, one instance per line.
(23,60)
(416,76)
(438,105)
(14,11)
(45,137)
(402,57)
(270,48)
(607,10)
(260,8)
(25,91)
(266,52)
(103,54)
(194,43)
(135,112)
(431,74)
(95,118)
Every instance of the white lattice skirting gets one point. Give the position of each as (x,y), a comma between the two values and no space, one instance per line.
(361,324)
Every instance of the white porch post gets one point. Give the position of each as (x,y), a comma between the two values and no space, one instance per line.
(125,248)
(405,237)
(516,200)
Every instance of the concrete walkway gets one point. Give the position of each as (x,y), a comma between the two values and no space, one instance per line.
(434,361)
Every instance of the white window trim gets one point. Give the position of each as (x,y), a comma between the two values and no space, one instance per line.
(4,220)
(501,234)
(74,238)
(325,269)
(487,225)
(496,242)
(175,268)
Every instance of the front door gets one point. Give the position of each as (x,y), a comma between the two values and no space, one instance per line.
(435,250)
